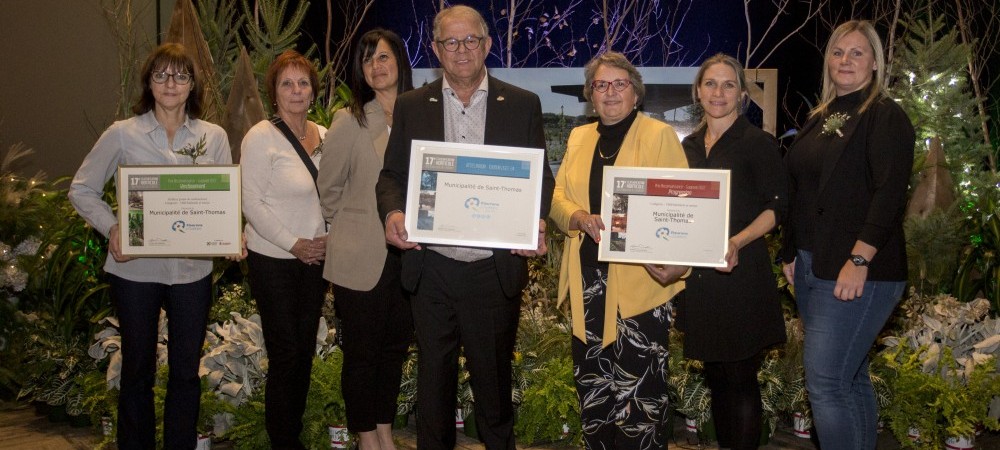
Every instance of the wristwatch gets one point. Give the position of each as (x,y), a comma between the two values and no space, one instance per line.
(859,261)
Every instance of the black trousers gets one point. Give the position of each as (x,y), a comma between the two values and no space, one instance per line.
(377,327)
(459,303)
(289,296)
(138,307)
(736,402)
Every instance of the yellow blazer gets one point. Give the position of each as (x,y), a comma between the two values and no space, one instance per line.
(631,290)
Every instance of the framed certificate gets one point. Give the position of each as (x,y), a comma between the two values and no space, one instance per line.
(665,216)
(474,195)
(180,211)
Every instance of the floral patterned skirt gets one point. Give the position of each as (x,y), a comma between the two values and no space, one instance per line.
(622,388)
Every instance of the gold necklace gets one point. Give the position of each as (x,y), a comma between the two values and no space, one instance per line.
(601,153)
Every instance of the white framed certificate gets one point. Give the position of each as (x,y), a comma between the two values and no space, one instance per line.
(665,216)
(474,195)
(180,211)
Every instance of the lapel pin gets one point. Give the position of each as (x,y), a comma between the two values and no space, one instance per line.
(433,99)
(500,98)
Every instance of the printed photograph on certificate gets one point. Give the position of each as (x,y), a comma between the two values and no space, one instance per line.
(665,216)
(474,195)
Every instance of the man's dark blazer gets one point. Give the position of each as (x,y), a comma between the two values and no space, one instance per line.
(513,118)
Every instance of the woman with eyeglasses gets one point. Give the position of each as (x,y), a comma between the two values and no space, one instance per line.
(165,131)
(621,312)
(375,315)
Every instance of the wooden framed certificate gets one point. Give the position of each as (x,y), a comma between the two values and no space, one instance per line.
(665,216)
(180,211)
(474,195)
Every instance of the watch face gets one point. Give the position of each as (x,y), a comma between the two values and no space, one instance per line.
(859,260)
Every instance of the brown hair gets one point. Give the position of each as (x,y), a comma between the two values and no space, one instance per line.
(288,58)
(165,56)
(362,92)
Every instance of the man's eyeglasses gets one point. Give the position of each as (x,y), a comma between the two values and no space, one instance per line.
(179,78)
(603,85)
(470,43)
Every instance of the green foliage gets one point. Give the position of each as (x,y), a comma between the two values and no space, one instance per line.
(932,86)
(325,401)
(249,432)
(938,406)
(549,403)
(268,33)
(323,115)
(932,244)
(233,297)
(99,400)
(220,24)
(979,269)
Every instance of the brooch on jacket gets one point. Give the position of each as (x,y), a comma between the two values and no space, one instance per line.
(834,122)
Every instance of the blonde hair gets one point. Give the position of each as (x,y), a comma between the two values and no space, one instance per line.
(876,87)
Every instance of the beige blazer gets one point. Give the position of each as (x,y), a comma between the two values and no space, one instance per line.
(348,171)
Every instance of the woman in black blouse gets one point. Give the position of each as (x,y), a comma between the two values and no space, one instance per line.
(729,315)
(844,248)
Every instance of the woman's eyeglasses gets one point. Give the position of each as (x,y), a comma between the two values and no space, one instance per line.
(179,78)
(603,85)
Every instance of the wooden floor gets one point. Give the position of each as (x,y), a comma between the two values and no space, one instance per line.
(22,428)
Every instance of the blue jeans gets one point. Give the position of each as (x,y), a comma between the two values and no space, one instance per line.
(838,336)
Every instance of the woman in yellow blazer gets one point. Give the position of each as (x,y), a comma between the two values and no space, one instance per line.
(620,312)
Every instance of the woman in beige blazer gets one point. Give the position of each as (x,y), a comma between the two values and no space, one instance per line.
(620,312)
(376,323)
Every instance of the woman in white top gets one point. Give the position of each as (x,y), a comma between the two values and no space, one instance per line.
(164,131)
(286,238)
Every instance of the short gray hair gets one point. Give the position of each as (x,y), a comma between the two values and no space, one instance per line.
(459,10)
(617,60)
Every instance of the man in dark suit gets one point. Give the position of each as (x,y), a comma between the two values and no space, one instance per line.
(462,296)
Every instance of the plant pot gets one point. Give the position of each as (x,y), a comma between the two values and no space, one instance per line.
(339,437)
(799,426)
(57,413)
(460,418)
(107,427)
(914,434)
(690,425)
(960,443)
(470,425)
(204,442)
(401,421)
(80,421)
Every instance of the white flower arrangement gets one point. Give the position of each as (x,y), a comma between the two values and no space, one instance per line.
(834,122)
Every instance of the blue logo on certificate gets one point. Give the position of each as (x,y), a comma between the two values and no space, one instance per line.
(663,233)
(178,226)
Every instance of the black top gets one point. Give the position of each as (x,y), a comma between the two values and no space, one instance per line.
(733,316)
(605,154)
(851,186)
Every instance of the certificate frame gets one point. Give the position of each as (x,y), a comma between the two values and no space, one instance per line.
(474,195)
(665,216)
(180,210)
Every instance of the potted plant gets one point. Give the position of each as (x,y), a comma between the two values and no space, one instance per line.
(550,409)
(942,369)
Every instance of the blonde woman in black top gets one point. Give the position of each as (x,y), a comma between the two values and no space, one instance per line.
(844,248)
